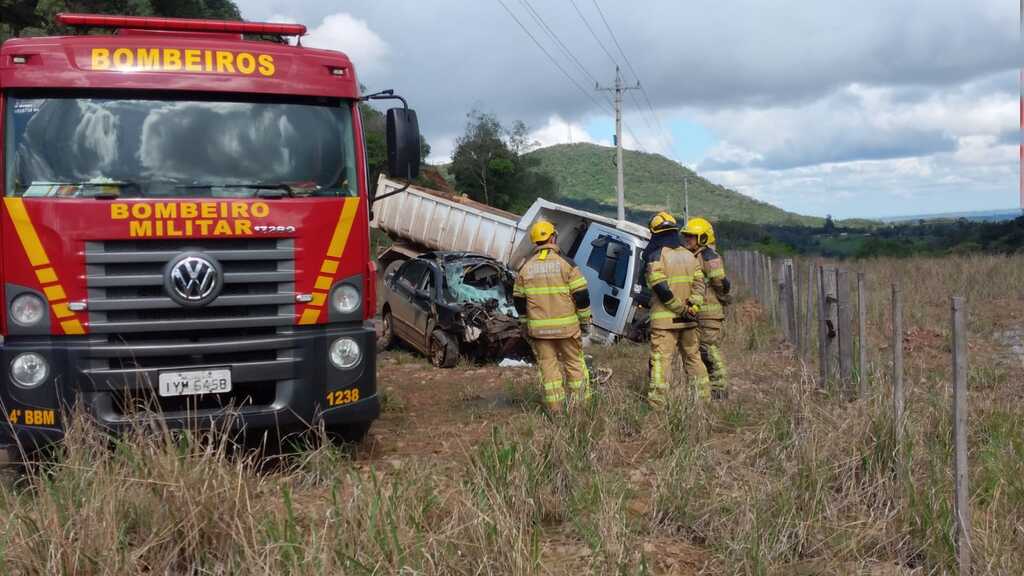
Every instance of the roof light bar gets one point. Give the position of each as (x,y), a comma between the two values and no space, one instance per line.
(180,24)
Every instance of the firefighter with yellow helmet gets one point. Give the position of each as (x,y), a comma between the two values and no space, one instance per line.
(699,237)
(675,277)
(551,294)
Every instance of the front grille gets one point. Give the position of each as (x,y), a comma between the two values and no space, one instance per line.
(137,331)
(125,279)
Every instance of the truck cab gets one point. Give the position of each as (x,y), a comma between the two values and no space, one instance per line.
(184,230)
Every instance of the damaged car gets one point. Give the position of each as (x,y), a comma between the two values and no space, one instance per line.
(451,304)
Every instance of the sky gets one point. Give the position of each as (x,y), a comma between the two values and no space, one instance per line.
(855,109)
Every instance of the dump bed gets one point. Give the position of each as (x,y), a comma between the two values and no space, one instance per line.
(435,220)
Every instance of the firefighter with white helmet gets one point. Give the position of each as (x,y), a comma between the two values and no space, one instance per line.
(675,277)
(699,237)
(551,294)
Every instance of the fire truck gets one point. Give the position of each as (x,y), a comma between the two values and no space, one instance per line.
(184,230)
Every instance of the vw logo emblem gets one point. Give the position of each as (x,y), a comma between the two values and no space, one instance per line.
(193,279)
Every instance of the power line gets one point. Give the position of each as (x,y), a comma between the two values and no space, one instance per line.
(551,33)
(643,91)
(551,58)
(592,33)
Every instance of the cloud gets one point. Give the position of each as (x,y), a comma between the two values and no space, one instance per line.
(559,131)
(345,33)
(794,92)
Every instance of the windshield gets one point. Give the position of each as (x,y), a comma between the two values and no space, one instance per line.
(478,282)
(143,147)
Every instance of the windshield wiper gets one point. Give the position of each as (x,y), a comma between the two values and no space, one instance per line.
(263,189)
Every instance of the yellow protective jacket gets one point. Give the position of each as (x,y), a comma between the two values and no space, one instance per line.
(716,295)
(674,276)
(551,294)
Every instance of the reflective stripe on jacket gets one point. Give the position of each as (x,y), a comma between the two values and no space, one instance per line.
(548,280)
(679,271)
(714,274)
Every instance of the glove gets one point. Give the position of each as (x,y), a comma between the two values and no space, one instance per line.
(726,285)
(691,311)
(586,329)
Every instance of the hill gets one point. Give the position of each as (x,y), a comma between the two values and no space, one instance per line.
(586,178)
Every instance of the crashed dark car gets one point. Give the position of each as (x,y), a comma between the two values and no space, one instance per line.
(451,304)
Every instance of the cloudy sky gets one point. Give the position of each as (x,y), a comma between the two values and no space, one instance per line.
(869,108)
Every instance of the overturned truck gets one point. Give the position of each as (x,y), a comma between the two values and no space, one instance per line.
(608,252)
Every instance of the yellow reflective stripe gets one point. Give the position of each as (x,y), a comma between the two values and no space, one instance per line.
(585,313)
(563,289)
(711,308)
(698,274)
(680,279)
(657,381)
(560,321)
(655,277)
(662,315)
(26,232)
(553,385)
(578,283)
(697,299)
(716,273)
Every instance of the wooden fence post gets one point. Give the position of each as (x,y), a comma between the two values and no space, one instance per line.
(897,366)
(791,302)
(862,334)
(823,338)
(962,508)
(769,300)
(785,291)
(809,310)
(845,328)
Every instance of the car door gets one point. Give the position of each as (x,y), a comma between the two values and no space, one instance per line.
(422,305)
(608,261)
(406,282)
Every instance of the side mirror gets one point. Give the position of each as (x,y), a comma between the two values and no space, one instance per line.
(403,138)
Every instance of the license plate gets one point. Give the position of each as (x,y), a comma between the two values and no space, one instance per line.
(195,382)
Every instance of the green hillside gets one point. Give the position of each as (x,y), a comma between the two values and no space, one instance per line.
(586,178)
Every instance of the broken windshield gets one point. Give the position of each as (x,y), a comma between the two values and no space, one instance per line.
(477,282)
(116,145)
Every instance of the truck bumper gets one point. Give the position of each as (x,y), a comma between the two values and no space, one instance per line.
(117,385)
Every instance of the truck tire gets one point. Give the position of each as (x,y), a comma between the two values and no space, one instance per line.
(387,330)
(353,433)
(444,350)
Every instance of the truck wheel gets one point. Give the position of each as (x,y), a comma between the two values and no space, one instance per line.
(387,331)
(353,433)
(444,350)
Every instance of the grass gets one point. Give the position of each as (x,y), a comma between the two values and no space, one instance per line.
(779,479)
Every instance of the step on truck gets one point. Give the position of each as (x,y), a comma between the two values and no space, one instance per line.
(607,251)
(184,230)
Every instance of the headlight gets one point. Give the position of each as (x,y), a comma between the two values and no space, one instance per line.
(345,353)
(29,369)
(27,310)
(345,299)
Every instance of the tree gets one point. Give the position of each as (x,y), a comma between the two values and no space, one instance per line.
(36,17)
(830,225)
(488,164)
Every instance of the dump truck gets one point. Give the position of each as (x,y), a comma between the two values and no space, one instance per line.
(185,230)
(607,251)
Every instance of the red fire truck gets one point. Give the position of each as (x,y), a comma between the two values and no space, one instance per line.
(184,229)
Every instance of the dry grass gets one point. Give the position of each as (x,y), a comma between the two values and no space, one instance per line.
(780,479)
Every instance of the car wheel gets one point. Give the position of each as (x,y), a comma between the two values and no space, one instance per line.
(387,331)
(353,433)
(444,350)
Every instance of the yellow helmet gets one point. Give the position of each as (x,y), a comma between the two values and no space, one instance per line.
(662,222)
(700,228)
(541,231)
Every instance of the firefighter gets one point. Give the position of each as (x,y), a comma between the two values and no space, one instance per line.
(551,294)
(700,239)
(675,278)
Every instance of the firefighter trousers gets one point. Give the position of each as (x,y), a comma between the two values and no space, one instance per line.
(664,344)
(555,356)
(711,353)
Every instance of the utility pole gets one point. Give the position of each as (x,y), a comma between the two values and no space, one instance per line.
(686,199)
(619,89)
